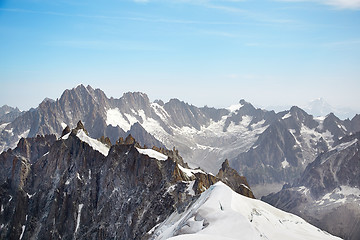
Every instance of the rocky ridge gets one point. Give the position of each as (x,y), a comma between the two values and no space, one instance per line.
(72,188)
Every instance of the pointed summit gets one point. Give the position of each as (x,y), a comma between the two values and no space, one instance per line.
(80,126)
(136,100)
(129,139)
(225,165)
(232,178)
(65,131)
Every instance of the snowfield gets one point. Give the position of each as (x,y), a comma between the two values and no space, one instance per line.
(220,213)
(207,147)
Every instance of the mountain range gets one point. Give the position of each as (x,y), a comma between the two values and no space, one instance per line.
(77,187)
(204,136)
(327,194)
(270,149)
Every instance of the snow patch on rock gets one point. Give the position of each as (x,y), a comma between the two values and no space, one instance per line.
(153,154)
(115,118)
(95,144)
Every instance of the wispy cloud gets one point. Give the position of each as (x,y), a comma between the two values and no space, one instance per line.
(339,4)
(344,4)
(219,34)
(344,43)
(230,6)
(141,1)
(139,19)
(248,14)
(107,45)
(226,8)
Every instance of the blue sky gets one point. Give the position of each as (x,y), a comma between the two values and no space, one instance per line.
(201,51)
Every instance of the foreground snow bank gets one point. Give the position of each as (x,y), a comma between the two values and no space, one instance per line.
(220,213)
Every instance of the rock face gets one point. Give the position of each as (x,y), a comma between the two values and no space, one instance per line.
(231,177)
(52,189)
(328,194)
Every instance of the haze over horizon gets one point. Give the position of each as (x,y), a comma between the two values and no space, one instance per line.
(270,53)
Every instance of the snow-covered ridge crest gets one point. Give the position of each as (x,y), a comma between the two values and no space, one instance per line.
(162,157)
(95,144)
(220,213)
(152,153)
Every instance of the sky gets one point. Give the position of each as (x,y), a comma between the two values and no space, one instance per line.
(204,52)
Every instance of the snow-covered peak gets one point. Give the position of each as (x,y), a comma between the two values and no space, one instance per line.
(152,153)
(235,107)
(319,107)
(220,213)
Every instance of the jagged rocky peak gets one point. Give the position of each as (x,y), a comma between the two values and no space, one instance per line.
(160,102)
(48,100)
(105,140)
(80,126)
(246,105)
(173,154)
(129,140)
(300,116)
(9,114)
(65,131)
(5,109)
(136,100)
(120,141)
(335,126)
(184,114)
(232,178)
(76,96)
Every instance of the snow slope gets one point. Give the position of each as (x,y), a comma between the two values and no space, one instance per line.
(220,213)
(95,144)
(206,147)
(152,153)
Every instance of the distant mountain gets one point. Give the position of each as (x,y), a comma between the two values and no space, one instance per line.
(78,187)
(328,192)
(7,115)
(319,107)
